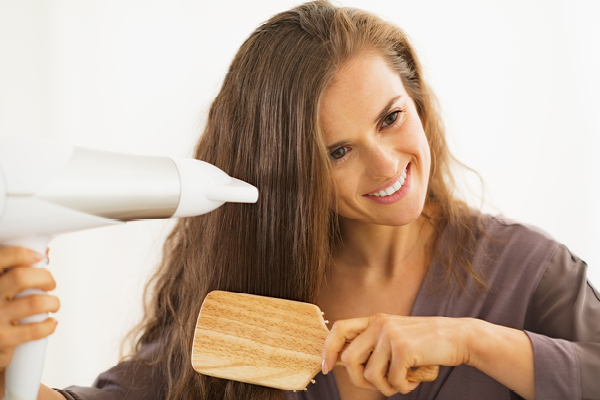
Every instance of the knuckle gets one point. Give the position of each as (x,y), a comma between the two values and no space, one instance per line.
(349,358)
(37,304)
(337,325)
(37,331)
(389,391)
(346,357)
(395,381)
(371,375)
(381,319)
(14,277)
(19,278)
(398,384)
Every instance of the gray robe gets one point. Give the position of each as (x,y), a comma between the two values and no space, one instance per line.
(535,285)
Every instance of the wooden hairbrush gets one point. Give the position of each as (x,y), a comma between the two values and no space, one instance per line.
(264,341)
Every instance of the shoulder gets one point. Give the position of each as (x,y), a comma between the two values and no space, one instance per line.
(513,238)
(513,253)
(510,257)
(506,228)
(503,249)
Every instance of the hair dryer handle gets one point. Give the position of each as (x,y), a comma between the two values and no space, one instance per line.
(24,373)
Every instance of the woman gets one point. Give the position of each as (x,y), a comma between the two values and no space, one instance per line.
(326,112)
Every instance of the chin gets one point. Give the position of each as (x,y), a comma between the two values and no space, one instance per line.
(402,220)
(401,217)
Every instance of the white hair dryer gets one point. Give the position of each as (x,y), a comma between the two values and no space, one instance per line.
(47,188)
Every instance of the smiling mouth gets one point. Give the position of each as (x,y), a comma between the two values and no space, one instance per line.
(392,188)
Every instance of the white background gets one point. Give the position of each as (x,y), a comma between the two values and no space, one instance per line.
(517,80)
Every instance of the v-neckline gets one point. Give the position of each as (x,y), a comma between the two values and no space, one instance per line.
(418,309)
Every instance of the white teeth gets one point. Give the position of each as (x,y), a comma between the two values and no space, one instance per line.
(392,189)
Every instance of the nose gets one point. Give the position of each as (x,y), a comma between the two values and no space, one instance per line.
(381,162)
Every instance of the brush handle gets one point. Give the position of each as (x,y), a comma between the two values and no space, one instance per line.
(423,374)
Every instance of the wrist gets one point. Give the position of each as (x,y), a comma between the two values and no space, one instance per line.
(503,353)
(474,334)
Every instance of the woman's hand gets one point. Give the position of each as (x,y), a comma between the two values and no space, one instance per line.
(17,275)
(384,347)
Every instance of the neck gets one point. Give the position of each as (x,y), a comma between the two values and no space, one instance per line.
(382,249)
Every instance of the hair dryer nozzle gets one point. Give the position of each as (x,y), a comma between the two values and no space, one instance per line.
(235,191)
(205,187)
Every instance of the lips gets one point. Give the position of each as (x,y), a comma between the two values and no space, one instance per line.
(391,187)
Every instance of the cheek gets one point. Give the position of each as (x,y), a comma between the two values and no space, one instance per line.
(421,146)
(426,156)
(345,187)
(335,192)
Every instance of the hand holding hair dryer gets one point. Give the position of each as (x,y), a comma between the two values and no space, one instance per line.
(48,188)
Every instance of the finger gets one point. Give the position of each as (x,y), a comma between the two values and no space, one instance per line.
(376,369)
(352,360)
(12,336)
(11,256)
(357,355)
(18,279)
(398,375)
(18,309)
(341,332)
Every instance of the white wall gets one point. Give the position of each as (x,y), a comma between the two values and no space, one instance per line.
(516,78)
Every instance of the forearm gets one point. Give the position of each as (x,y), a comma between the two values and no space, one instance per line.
(504,354)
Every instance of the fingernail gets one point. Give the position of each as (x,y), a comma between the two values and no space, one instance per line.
(324,367)
(36,256)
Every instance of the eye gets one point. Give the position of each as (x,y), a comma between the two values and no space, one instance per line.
(390,119)
(338,153)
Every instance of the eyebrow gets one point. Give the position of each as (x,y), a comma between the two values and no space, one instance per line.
(387,108)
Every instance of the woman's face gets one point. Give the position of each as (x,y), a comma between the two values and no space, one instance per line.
(376,144)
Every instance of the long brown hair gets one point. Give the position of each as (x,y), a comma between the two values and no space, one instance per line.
(263,128)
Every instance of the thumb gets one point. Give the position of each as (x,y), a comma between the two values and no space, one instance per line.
(342,332)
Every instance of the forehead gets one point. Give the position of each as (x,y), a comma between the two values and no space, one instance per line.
(361,88)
